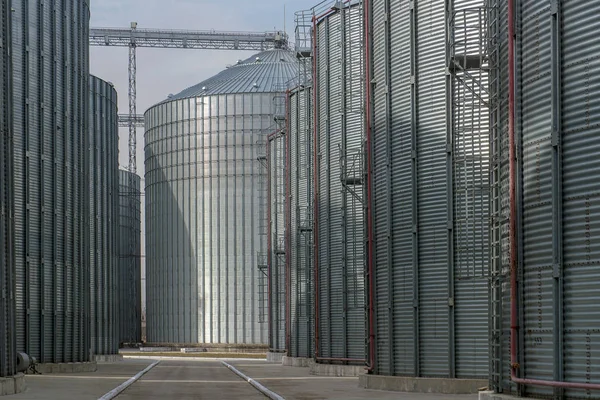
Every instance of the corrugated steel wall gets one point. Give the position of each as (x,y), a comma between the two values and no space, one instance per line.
(7,265)
(129,275)
(340,238)
(429,203)
(557,127)
(300,246)
(277,272)
(51,72)
(104,203)
(202,213)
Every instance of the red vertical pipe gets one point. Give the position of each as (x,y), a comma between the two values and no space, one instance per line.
(370,279)
(316,185)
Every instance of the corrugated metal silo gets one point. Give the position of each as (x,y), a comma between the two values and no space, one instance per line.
(104,217)
(7,265)
(430,196)
(202,206)
(557,138)
(300,211)
(51,72)
(277,270)
(130,262)
(339,214)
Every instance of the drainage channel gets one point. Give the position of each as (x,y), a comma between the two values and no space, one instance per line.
(270,394)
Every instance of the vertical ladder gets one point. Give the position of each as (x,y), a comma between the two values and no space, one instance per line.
(261,255)
(496,222)
(351,160)
(473,66)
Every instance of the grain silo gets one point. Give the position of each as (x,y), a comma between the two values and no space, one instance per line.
(429,188)
(130,261)
(339,222)
(104,217)
(202,204)
(51,138)
(300,211)
(276,273)
(546,204)
(8,355)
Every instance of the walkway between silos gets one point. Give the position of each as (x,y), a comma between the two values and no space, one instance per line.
(190,379)
(294,383)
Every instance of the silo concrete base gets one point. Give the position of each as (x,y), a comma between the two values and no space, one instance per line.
(204,348)
(422,385)
(12,385)
(275,357)
(490,395)
(108,358)
(296,362)
(66,368)
(336,370)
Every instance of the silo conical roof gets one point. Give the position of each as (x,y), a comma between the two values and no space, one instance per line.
(265,72)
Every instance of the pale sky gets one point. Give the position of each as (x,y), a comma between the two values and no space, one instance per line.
(164,71)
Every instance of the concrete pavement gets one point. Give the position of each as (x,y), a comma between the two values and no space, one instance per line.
(194,379)
(82,386)
(206,379)
(294,383)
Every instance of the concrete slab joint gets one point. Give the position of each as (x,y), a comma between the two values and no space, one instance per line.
(421,385)
(12,385)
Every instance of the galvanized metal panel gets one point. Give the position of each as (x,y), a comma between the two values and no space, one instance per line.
(581,213)
(302,245)
(202,202)
(393,195)
(300,181)
(104,203)
(573,183)
(261,73)
(381,218)
(50,59)
(432,188)
(430,258)
(7,265)
(341,287)
(399,197)
(129,259)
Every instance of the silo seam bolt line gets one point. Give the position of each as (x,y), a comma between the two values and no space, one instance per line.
(270,394)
